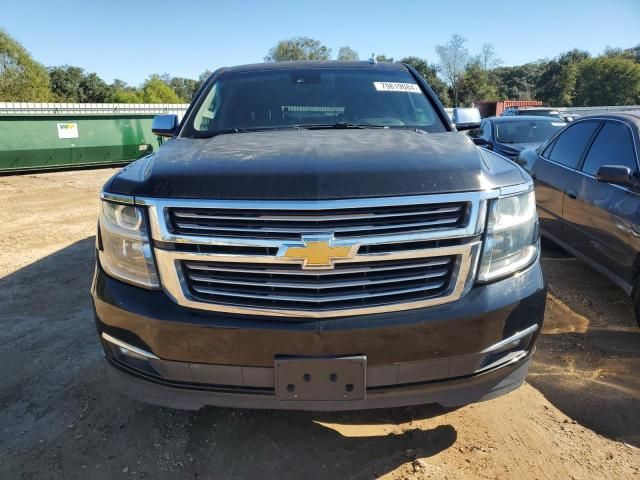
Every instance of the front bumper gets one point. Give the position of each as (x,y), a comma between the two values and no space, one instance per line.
(473,349)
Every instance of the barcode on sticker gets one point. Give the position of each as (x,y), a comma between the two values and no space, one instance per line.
(396,87)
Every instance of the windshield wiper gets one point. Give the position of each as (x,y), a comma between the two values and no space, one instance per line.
(319,126)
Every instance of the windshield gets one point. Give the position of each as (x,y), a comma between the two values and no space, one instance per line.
(526,131)
(270,99)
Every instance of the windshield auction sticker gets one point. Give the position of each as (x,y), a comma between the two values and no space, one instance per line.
(67,130)
(396,87)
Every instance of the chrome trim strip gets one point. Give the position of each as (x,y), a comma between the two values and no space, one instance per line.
(320,205)
(462,279)
(513,338)
(116,197)
(318,272)
(122,344)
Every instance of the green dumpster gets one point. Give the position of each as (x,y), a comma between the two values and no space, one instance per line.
(61,136)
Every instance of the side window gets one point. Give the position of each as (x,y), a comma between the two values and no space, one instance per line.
(547,151)
(570,144)
(612,146)
(485,130)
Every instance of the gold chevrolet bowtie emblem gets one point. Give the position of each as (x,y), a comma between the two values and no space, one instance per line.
(316,252)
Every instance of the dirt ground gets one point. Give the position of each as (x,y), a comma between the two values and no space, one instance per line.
(578,416)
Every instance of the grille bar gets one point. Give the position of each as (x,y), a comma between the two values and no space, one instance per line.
(342,269)
(344,284)
(289,224)
(298,231)
(315,298)
(310,218)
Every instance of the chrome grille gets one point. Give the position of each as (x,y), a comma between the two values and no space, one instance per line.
(343,222)
(349,285)
(404,252)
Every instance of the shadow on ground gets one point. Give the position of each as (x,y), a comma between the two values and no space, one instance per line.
(589,351)
(60,420)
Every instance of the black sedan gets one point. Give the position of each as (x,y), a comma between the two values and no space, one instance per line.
(588,192)
(508,136)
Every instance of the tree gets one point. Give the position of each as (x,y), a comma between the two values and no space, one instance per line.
(430,73)
(95,89)
(185,88)
(348,54)
(127,95)
(557,82)
(453,61)
(298,48)
(65,83)
(476,84)
(22,79)
(72,84)
(383,58)
(519,82)
(488,59)
(155,90)
(607,80)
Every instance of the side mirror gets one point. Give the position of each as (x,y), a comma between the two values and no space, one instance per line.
(617,175)
(165,125)
(466,118)
(482,142)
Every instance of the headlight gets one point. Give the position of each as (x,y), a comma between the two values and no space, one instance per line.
(512,236)
(126,252)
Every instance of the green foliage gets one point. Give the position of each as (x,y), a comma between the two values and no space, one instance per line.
(185,88)
(476,84)
(557,81)
(347,54)
(72,84)
(383,58)
(155,90)
(429,72)
(22,79)
(607,80)
(126,95)
(298,48)
(632,53)
(519,82)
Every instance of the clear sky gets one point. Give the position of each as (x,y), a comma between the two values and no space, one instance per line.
(132,39)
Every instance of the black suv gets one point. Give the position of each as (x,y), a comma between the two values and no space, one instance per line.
(588,190)
(318,236)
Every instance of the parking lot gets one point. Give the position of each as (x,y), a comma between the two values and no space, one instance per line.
(577,417)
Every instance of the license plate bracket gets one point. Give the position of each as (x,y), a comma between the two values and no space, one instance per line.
(320,378)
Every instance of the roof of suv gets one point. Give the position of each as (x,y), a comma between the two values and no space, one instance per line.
(313,64)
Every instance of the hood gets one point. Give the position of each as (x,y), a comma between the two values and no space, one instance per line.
(315,164)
